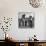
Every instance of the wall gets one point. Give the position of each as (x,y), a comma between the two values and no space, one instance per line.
(10,8)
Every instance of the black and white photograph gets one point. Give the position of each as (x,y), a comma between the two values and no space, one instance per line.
(25,20)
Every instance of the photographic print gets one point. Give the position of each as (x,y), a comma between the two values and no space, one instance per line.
(25,20)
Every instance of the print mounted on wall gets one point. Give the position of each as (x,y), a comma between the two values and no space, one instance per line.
(25,20)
